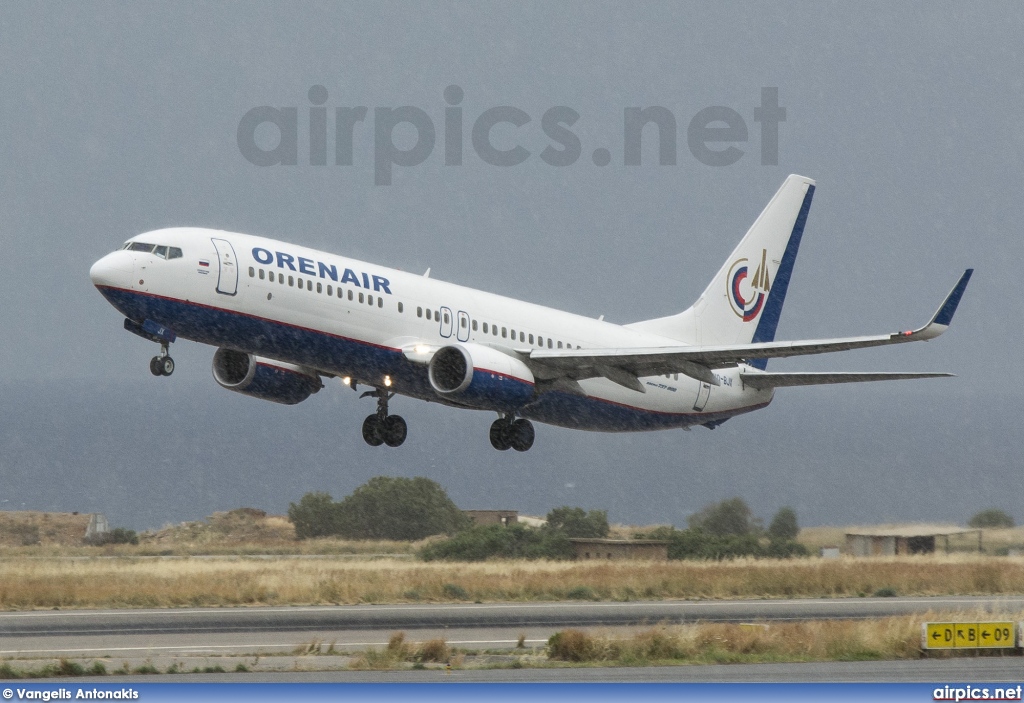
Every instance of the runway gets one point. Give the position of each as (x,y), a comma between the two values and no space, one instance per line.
(496,626)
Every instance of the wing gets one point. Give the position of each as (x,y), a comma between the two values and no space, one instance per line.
(625,366)
(763,380)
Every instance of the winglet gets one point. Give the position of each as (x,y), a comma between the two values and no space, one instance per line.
(944,315)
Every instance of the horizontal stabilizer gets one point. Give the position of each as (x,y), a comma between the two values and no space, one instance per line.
(698,361)
(762,381)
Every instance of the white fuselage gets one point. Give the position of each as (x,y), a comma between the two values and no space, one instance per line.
(348,318)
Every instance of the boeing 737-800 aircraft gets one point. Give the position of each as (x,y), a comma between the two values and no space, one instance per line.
(284,317)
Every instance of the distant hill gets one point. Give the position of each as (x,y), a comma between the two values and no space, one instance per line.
(26,527)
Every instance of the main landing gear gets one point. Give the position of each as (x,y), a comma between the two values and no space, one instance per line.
(162,364)
(509,433)
(381,428)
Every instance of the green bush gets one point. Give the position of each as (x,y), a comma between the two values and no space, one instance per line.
(399,508)
(576,522)
(455,591)
(783,526)
(993,517)
(697,544)
(382,508)
(315,515)
(513,541)
(729,517)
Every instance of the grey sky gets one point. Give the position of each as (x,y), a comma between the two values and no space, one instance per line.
(120,118)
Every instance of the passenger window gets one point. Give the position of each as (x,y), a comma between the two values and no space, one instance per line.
(301,284)
(531,339)
(549,342)
(430,314)
(401,307)
(161,251)
(380,302)
(522,336)
(340,293)
(360,297)
(503,333)
(330,289)
(513,335)
(252,272)
(494,330)
(540,341)
(485,327)
(291,281)
(437,315)
(319,287)
(350,294)
(446,318)
(173,253)
(559,345)
(270,276)
(309,285)
(369,299)
(462,323)
(474,325)
(419,311)
(262,274)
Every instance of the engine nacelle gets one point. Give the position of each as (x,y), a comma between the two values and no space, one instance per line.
(261,378)
(480,376)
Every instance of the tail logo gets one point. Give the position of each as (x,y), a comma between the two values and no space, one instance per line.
(747,297)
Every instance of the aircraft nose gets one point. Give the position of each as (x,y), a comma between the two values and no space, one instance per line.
(114,269)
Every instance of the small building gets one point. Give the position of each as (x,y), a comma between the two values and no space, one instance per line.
(898,541)
(619,549)
(492,517)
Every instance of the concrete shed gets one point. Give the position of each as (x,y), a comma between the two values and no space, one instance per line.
(618,549)
(910,539)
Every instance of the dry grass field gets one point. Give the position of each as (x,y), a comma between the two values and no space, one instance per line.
(27,583)
(245,557)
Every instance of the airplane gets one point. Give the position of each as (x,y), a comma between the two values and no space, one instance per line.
(285,317)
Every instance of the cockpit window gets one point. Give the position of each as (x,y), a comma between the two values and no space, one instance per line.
(161,251)
(173,253)
(139,246)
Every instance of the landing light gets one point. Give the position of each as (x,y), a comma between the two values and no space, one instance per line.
(421,348)
(347,380)
(387,381)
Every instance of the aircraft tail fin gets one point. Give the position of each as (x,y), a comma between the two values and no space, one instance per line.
(743,302)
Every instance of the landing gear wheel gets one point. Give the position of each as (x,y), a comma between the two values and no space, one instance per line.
(166,366)
(161,366)
(501,435)
(373,431)
(522,435)
(395,430)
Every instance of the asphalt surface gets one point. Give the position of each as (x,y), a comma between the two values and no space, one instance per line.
(168,635)
(496,615)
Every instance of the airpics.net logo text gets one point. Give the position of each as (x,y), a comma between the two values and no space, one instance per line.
(716,136)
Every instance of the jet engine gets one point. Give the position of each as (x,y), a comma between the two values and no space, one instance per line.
(476,375)
(262,378)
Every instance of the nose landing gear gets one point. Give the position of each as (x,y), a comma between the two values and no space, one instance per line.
(161,364)
(381,428)
(507,433)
